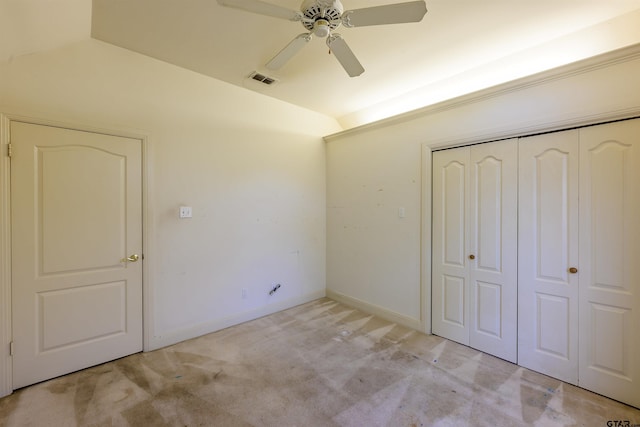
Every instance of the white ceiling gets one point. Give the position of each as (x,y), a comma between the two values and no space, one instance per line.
(460,46)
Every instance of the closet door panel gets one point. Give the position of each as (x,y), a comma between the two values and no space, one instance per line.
(547,250)
(493,243)
(449,271)
(609,267)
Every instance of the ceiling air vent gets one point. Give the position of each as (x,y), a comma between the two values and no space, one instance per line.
(262,78)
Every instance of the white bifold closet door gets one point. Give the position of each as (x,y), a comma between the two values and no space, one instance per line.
(579,243)
(475,247)
(609,301)
(548,249)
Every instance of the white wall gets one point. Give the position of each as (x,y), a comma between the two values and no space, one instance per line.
(29,26)
(373,256)
(252,168)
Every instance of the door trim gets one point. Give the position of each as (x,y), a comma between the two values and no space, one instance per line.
(6,374)
(6,370)
(426,229)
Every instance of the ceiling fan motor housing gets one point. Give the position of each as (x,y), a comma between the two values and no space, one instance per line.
(329,11)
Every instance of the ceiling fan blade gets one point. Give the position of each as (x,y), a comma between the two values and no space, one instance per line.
(344,55)
(289,51)
(398,13)
(263,8)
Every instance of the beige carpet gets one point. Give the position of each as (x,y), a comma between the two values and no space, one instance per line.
(319,364)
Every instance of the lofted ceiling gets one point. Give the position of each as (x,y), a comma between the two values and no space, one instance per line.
(460,46)
(455,36)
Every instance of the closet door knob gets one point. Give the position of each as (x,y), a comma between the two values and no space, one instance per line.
(573,270)
(472,257)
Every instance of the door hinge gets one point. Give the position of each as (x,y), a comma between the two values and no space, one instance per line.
(11,348)
(9,149)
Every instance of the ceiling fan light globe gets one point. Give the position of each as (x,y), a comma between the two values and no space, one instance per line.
(321,28)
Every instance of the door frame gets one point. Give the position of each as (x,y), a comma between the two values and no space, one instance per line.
(6,365)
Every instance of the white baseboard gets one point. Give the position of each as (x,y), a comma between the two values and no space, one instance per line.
(200,329)
(376,310)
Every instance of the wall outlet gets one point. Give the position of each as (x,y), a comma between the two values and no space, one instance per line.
(245,293)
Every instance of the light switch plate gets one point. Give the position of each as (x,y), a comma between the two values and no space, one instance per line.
(185,212)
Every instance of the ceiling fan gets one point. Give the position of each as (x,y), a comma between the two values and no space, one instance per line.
(320,17)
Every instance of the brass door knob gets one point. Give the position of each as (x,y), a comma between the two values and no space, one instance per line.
(472,257)
(131,258)
(573,270)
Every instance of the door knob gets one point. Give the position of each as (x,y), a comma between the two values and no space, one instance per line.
(472,257)
(131,258)
(573,270)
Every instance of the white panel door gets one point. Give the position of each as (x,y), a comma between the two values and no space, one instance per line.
(450,306)
(493,245)
(474,284)
(609,267)
(548,249)
(76,217)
